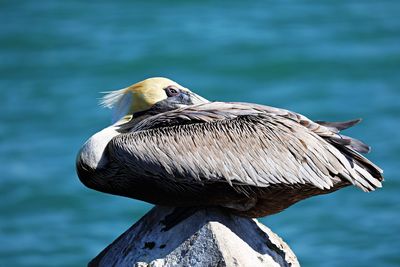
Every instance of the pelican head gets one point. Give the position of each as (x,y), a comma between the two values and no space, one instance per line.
(146,94)
(157,94)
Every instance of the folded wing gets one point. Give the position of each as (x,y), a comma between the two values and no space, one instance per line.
(242,144)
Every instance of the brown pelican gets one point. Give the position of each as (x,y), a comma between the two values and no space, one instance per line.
(171,147)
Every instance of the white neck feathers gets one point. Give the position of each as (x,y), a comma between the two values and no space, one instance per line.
(92,152)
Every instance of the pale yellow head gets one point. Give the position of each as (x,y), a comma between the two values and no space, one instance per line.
(143,95)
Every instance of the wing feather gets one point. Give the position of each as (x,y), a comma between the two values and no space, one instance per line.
(239,144)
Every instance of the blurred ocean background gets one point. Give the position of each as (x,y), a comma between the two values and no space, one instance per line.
(329,60)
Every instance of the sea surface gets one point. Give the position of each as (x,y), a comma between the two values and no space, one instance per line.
(329,60)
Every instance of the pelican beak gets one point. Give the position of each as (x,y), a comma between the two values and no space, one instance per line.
(196,99)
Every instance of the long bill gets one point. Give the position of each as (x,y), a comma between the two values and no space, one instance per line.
(196,99)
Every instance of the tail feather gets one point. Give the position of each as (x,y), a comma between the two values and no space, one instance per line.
(357,145)
(353,143)
(366,175)
(339,126)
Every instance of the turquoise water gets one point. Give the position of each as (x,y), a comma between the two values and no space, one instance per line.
(332,60)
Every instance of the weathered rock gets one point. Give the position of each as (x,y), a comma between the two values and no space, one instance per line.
(209,237)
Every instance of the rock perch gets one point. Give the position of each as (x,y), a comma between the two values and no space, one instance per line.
(209,237)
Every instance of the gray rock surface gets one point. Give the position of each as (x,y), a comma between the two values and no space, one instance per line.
(209,237)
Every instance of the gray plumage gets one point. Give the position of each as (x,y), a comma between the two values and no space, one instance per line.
(254,160)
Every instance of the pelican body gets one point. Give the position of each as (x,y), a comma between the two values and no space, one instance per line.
(169,146)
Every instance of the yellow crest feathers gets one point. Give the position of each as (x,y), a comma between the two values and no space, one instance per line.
(137,97)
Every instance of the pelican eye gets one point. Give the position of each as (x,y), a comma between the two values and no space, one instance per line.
(172,91)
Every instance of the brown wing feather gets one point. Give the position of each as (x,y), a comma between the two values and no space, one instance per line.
(241,144)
